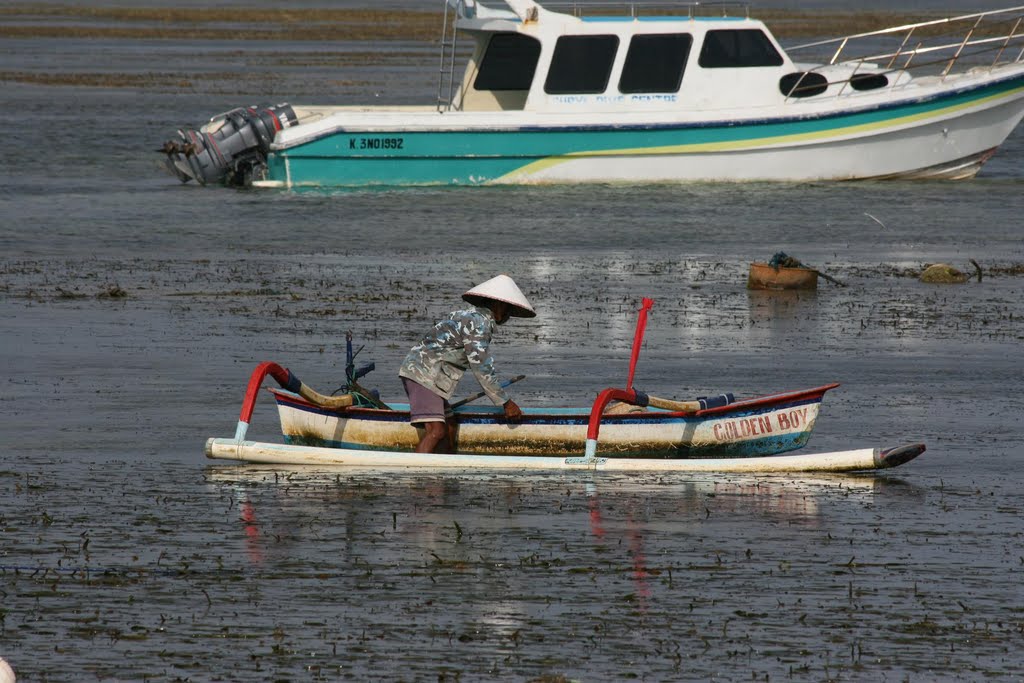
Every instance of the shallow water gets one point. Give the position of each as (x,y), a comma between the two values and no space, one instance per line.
(134,309)
(247,573)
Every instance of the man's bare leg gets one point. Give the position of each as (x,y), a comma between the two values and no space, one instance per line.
(435,438)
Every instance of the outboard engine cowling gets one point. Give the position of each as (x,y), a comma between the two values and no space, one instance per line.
(231,149)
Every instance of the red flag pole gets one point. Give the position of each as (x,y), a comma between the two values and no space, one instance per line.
(638,338)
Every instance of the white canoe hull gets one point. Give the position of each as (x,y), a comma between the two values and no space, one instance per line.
(283,454)
(762,426)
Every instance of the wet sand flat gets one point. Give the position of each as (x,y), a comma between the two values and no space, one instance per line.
(219,572)
(145,562)
(134,309)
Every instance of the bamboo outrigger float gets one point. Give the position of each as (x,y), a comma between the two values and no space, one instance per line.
(283,454)
(641,433)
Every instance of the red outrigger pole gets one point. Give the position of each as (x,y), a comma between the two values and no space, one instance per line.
(283,376)
(638,338)
(627,395)
(289,382)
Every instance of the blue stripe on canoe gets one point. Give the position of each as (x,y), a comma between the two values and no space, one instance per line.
(558,416)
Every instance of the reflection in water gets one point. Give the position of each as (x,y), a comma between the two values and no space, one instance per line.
(780,310)
(252,530)
(504,555)
(482,526)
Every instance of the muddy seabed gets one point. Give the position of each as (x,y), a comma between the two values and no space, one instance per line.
(125,556)
(134,309)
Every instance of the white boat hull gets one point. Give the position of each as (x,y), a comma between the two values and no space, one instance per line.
(951,148)
(938,132)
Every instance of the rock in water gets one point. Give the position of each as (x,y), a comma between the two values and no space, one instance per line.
(943,273)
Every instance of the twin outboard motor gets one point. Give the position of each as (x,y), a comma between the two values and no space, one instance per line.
(231,149)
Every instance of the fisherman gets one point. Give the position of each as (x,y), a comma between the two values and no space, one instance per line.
(460,342)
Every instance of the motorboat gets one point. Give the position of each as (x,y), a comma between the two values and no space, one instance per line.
(645,93)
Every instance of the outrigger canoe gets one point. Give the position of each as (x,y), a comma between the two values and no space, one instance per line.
(640,432)
(748,435)
(767,425)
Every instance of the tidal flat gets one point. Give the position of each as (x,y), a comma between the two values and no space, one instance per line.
(134,309)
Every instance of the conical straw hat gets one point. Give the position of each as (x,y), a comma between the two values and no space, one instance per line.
(501,288)
(6,672)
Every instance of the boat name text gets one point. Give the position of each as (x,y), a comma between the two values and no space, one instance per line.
(729,430)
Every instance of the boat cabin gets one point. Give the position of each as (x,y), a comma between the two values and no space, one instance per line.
(531,58)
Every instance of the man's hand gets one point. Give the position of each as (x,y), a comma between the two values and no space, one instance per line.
(512,411)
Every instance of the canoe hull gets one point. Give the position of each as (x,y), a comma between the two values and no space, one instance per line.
(765,276)
(283,454)
(757,427)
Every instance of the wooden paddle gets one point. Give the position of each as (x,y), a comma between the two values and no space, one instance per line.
(479,394)
(331,402)
(667,404)
(677,406)
(829,278)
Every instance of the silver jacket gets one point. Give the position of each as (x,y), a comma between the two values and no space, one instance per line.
(458,343)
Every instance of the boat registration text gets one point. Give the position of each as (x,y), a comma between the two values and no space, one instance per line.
(376,143)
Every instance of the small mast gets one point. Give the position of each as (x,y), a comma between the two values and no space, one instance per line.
(525,10)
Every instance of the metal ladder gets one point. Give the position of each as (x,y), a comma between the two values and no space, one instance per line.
(449,44)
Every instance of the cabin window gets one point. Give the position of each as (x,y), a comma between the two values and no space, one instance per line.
(509,63)
(803,84)
(729,49)
(868,81)
(655,63)
(581,65)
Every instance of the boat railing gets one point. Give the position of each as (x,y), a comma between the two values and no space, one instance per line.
(720,8)
(984,39)
(449,46)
